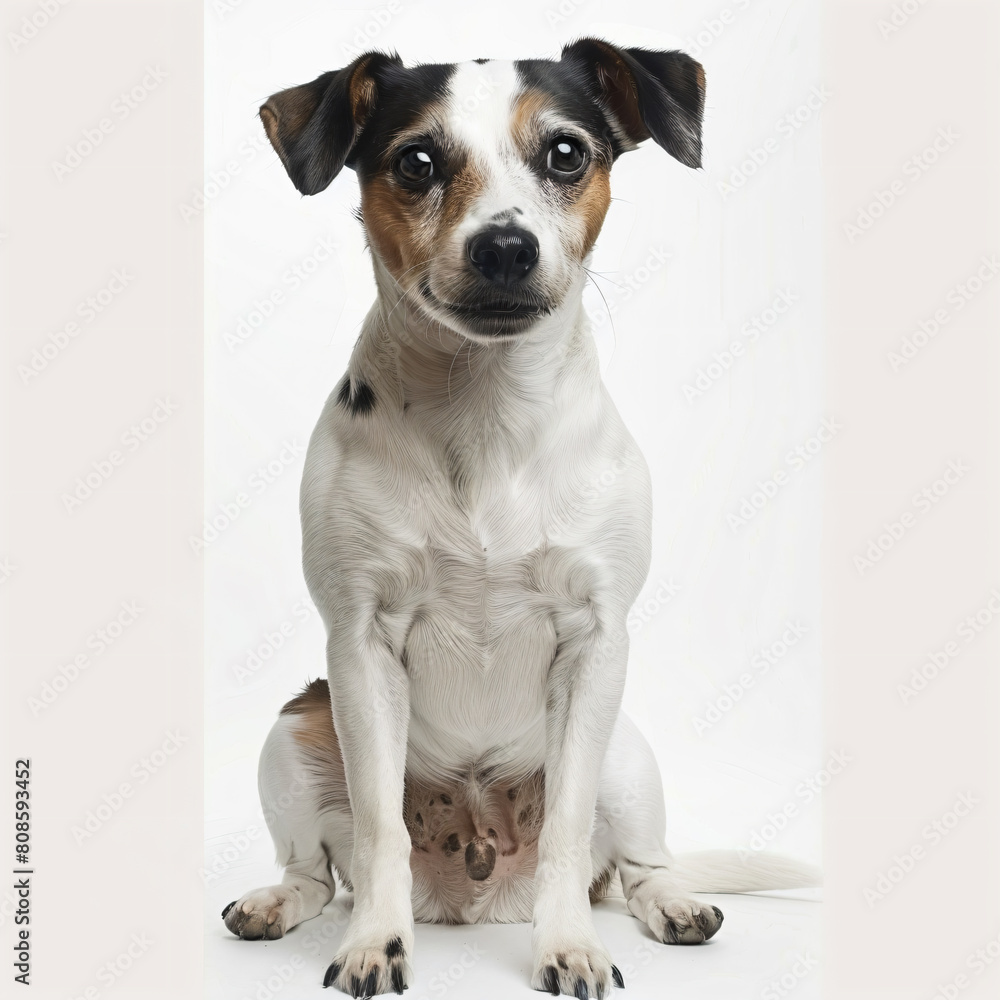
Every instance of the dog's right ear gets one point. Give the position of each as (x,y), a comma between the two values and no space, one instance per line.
(314,127)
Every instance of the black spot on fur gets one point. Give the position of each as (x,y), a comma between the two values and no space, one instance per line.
(552,980)
(511,794)
(480,859)
(394,948)
(452,845)
(397,979)
(446,799)
(370,983)
(356,396)
(331,974)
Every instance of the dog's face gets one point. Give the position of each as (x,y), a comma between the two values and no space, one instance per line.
(484,185)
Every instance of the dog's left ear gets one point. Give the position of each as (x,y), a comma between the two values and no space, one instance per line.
(313,127)
(658,95)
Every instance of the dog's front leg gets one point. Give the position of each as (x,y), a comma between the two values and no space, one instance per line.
(584,692)
(369,692)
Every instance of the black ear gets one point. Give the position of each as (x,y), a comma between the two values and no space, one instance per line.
(313,127)
(659,95)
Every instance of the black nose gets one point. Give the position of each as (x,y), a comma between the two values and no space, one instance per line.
(505,256)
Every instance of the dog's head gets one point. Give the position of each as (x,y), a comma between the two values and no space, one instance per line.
(484,184)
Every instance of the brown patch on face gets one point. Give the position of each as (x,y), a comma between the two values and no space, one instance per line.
(592,205)
(396,225)
(523,122)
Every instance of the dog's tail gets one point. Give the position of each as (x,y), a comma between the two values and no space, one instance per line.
(742,871)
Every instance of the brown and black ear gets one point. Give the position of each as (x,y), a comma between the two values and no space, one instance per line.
(314,127)
(658,95)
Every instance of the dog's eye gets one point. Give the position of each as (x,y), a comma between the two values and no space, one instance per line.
(415,165)
(566,158)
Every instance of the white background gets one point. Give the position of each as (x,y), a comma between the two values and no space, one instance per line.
(728,256)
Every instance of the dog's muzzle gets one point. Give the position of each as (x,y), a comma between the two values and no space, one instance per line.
(497,297)
(503,256)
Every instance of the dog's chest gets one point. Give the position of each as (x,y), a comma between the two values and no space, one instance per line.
(482,639)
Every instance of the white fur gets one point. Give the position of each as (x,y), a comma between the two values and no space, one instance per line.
(475,589)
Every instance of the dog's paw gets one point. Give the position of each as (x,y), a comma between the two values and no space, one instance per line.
(263,913)
(584,973)
(369,971)
(683,921)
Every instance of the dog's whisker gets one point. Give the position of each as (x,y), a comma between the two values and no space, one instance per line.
(611,320)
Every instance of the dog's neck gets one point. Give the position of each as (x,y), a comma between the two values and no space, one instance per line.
(487,405)
(436,369)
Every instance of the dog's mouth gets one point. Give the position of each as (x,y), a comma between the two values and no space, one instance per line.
(491,314)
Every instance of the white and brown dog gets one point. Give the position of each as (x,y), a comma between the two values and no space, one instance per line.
(466,760)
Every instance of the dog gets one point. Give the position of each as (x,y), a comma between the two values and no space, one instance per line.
(466,759)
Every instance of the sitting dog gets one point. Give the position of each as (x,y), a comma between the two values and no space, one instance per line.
(466,759)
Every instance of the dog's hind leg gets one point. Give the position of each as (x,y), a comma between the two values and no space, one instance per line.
(629,829)
(304,798)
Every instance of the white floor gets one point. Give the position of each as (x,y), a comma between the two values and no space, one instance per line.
(767,948)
